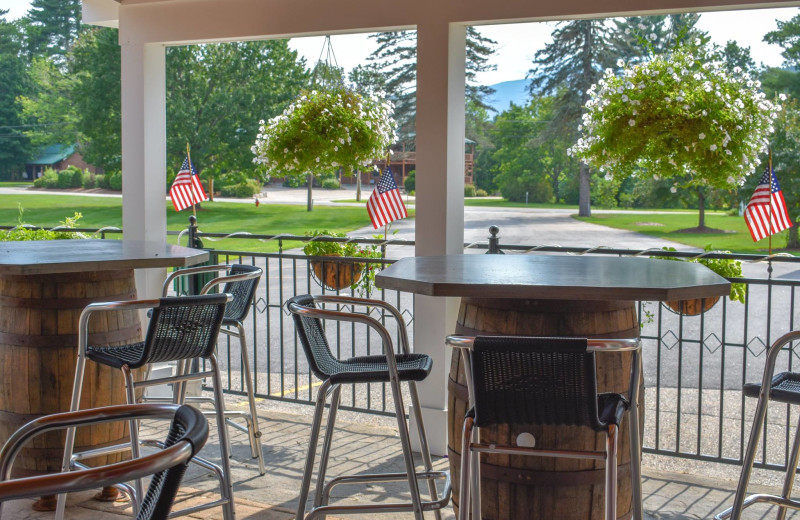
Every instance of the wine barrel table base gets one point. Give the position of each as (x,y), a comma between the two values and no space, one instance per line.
(38,351)
(514,487)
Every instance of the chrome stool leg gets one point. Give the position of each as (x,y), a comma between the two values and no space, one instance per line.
(611,472)
(791,471)
(320,497)
(316,424)
(423,443)
(254,431)
(227,487)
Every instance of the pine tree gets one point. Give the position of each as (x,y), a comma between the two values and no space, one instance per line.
(572,62)
(51,27)
(396,58)
(14,144)
(638,37)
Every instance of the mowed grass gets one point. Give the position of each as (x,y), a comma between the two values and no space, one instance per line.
(215,217)
(734,235)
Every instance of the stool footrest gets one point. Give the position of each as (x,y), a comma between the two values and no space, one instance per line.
(394,507)
(761,498)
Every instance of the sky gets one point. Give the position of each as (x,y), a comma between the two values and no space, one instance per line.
(517,43)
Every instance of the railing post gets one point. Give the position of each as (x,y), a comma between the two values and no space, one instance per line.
(494,241)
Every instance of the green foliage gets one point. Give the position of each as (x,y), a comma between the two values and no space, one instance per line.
(48,180)
(95,65)
(89,180)
(679,115)
(243,190)
(64,180)
(469,190)
(51,27)
(218,93)
(481,193)
(49,105)
(323,130)
(22,232)
(14,143)
(410,184)
(725,267)
(101,181)
(331,184)
(114,181)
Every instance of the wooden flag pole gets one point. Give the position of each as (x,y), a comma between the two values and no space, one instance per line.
(189,158)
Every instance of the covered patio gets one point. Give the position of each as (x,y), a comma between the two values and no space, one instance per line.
(674,489)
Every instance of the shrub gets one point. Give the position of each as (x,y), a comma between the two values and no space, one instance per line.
(115,181)
(469,190)
(410,184)
(481,193)
(101,181)
(242,190)
(48,180)
(89,180)
(537,189)
(294,182)
(231,178)
(331,184)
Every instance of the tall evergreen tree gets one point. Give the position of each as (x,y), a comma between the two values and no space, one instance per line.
(51,27)
(572,62)
(14,143)
(638,37)
(396,58)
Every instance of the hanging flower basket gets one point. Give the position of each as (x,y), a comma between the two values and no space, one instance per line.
(324,130)
(678,115)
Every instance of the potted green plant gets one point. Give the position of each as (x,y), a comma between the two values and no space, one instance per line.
(335,274)
(725,267)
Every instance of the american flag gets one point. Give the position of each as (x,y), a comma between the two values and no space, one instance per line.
(385,205)
(766,213)
(186,189)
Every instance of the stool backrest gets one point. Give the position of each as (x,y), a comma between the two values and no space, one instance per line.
(183,327)
(312,336)
(242,291)
(189,424)
(534,381)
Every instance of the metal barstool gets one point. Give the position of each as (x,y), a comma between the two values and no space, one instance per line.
(783,388)
(180,328)
(241,282)
(187,435)
(390,367)
(552,381)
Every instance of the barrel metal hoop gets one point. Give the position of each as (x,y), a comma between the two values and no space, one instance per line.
(128,334)
(540,478)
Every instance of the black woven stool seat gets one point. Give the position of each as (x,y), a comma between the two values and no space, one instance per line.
(116,357)
(374,369)
(785,388)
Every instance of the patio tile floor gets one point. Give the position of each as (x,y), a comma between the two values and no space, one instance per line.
(674,495)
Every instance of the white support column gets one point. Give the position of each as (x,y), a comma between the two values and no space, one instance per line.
(441,51)
(144,138)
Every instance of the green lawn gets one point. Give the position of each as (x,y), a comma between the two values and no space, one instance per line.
(215,217)
(14,184)
(735,236)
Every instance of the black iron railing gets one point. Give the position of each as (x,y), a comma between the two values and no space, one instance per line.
(694,367)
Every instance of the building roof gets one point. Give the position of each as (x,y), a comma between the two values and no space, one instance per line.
(52,154)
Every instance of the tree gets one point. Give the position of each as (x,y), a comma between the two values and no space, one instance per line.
(51,27)
(219,92)
(396,59)
(14,144)
(787,35)
(95,65)
(48,106)
(571,63)
(639,37)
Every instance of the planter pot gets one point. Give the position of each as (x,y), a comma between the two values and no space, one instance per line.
(692,307)
(335,275)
